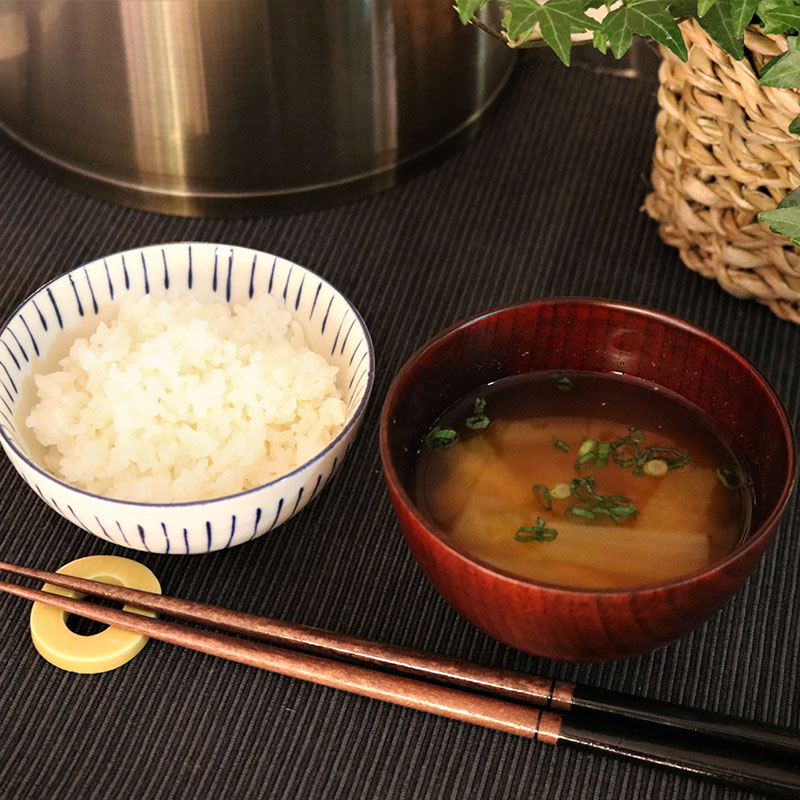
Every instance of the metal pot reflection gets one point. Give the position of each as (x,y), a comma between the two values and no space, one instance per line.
(221,107)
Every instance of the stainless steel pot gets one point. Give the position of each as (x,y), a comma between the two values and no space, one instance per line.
(218,107)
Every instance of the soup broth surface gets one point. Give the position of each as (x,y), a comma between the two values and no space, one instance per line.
(554,477)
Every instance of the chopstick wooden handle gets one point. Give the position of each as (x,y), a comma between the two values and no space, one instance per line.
(502,682)
(755,769)
(485,711)
(751,770)
(509,684)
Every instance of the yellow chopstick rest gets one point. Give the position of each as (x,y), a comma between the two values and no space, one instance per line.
(106,650)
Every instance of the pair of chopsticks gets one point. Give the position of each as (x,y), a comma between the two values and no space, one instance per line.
(745,754)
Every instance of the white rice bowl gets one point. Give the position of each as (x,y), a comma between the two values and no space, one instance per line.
(176,401)
(184,397)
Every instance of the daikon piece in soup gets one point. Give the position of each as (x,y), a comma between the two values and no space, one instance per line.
(584,480)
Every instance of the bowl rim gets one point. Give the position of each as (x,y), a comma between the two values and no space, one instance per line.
(755,540)
(349,426)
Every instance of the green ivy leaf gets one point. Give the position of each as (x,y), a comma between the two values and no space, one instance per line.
(783,72)
(785,219)
(615,33)
(557,21)
(600,40)
(792,200)
(467,9)
(683,9)
(719,24)
(779,16)
(742,12)
(521,19)
(724,20)
(645,17)
(794,126)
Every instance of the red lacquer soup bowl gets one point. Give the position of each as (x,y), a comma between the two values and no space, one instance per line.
(597,336)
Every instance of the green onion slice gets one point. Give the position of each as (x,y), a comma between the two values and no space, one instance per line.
(478,421)
(561,382)
(541,489)
(440,437)
(590,503)
(537,533)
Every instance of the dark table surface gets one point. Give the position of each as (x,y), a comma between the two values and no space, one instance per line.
(546,201)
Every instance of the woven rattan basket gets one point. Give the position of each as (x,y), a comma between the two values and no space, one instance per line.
(723,154)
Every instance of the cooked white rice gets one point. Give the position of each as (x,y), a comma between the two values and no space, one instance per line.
(181,400)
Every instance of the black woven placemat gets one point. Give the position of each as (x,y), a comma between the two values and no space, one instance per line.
(480,229)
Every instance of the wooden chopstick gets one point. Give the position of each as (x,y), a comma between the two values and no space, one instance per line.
(454,703)
(505,683)
(743,758)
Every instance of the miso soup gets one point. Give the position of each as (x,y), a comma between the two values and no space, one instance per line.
(585,480)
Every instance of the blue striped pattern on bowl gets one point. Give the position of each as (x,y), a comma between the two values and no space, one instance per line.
(40,330)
